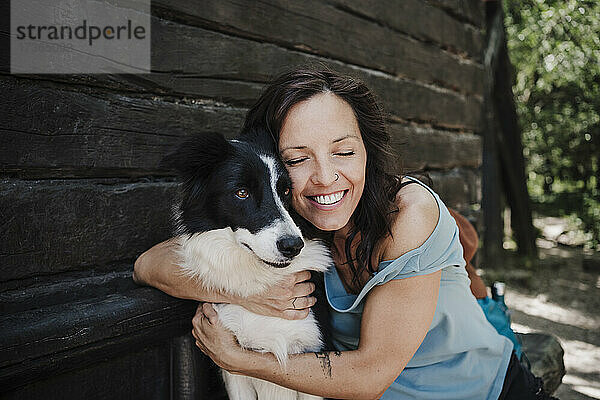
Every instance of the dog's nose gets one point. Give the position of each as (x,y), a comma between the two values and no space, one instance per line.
(290,246)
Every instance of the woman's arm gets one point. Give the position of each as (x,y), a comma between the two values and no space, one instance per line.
(158,267)
(396,317)
(395,320)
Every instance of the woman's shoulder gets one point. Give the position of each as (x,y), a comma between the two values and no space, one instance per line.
(416,219)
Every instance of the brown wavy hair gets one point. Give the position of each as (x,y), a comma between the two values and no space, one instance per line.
(372,215)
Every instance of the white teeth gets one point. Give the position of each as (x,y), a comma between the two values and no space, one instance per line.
(329,199)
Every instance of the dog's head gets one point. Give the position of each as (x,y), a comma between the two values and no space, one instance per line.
(240,185)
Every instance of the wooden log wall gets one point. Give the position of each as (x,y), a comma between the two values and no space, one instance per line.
(82,193)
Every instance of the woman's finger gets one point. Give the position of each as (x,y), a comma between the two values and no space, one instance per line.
(210,313)
(300,303)
(295,314)
(197,316)
(202,347)
(303,289)
(301,276)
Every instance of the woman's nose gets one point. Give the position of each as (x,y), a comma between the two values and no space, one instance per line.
(324,174)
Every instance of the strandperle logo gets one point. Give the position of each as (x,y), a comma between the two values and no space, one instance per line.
(82,32)
(80,36)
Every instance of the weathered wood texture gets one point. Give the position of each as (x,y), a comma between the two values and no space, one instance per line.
(92,133)
(424,148)
(421,21)
(238,67)
(72,335)
(236,75)
(84,133)
(193,373)
(119,378)
(57,226)
(114,378)
(460,188)
(463,10)
(319,28)
(28,294)
(82,193)
(75,332)
(60,226)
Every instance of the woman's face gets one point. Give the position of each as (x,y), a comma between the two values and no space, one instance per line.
(320,142)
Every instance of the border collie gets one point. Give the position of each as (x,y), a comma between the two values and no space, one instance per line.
(236,235)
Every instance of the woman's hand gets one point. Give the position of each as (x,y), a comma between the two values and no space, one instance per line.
(159,267)
(215,340)
(289,299)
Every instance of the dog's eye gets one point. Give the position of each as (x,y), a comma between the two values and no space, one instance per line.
(287,191)
(242,194)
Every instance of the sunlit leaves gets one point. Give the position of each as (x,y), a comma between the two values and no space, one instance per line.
(555,48)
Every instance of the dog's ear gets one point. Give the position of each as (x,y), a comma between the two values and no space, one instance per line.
(198,156)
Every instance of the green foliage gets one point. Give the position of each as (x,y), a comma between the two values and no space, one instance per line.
(555,48)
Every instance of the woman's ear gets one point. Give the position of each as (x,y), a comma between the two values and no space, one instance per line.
(198,155)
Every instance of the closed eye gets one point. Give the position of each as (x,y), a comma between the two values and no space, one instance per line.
(296,161)
(345,153)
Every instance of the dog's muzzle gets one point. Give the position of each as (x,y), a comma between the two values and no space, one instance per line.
(290,246)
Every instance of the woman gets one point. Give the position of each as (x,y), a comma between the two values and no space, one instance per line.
(404,321)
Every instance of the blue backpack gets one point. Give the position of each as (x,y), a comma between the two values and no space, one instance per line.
(497,314)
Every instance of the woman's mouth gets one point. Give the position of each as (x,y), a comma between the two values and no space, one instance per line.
(326,201)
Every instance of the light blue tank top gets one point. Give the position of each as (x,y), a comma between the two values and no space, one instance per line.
(462,355)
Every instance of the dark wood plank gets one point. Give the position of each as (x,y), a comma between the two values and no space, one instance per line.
(459,188)
(318,28)
(419,103)
(141,374)
(422,21)
(194,375)
(235,62)
(402,99)
(194,61)
(471,11)
(87,133)
(421,147)
(42,342)
(57,226)
(75,131)
(322,29)
(24,295)
(237,68)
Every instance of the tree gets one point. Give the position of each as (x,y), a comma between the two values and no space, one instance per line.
(555,48)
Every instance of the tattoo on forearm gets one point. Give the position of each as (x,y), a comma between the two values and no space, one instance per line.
(326,361)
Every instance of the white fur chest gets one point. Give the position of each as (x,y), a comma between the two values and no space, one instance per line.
(269,334)
(220,263)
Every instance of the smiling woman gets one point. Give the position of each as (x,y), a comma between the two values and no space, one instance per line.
(322,147)
(404,322)
(334,115)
